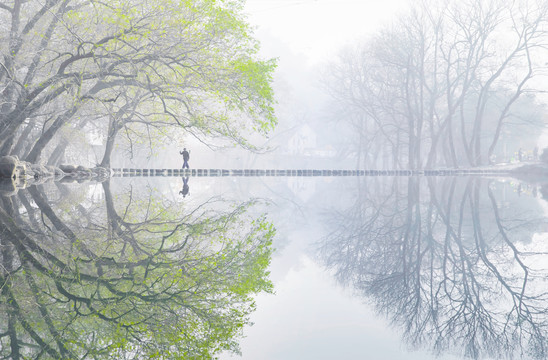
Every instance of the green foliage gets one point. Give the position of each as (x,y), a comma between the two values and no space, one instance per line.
(149,65)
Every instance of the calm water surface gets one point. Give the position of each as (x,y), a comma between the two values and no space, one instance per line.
(374,267)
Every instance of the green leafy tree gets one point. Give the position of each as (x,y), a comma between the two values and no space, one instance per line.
(145,66)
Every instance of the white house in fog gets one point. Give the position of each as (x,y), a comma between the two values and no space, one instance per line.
(303,142)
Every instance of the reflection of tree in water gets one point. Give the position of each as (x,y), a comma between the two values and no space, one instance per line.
(142,279)
(440,258)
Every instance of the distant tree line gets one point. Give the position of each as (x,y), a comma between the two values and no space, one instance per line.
(133,71)
(444,85)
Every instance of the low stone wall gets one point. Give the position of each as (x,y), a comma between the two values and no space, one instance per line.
(129,172)
(16,174)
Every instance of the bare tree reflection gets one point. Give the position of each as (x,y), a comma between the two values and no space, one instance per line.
(132,277)
(449,263)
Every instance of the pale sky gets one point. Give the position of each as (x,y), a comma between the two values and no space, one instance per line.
(317,28)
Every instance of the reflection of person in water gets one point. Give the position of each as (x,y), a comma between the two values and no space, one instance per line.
(185,190)
(186,157)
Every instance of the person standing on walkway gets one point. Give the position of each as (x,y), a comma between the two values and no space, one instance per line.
(186,157)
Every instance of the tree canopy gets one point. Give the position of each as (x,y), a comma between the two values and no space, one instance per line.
(142,66)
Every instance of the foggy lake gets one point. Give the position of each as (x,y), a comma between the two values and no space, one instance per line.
(402,267)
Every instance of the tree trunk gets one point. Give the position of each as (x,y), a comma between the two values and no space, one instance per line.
(23,140)
(58,152)
(113,128)
(46,137)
